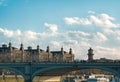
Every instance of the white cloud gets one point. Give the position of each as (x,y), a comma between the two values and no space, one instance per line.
(52,27)
(10,33)
(103,20)
(24,35)
(85,44)
(118,38)
(100,20)
(105,52)
(100,48)
(84,36)
(108,31)
(71,42)
(17,34)
(91,12)
(55,44)
(6,32)
(113,34)
(99,37)
(31,35)
(78,33)
(117,32)
(76,20)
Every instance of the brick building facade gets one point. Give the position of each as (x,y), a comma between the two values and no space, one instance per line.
(8,53)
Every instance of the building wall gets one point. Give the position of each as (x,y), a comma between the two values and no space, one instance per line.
(68,57)
(33,55)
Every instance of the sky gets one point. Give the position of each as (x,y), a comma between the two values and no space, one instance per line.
(76,24)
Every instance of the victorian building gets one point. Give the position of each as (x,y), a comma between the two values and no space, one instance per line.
(8,53)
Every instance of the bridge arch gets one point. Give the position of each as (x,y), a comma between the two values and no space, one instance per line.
(47,69)
(115,72)
(13,69)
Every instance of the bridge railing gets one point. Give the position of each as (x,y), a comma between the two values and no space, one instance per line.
(62,63)
(75,61)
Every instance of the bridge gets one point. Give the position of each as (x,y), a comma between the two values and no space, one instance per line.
(30,69)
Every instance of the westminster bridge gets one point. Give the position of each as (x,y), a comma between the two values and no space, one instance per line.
(30,69)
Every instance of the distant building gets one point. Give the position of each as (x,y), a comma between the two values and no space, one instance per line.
(12,54)
(62,55)
(90,54)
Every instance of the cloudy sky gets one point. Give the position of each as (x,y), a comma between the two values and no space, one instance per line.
(76,24)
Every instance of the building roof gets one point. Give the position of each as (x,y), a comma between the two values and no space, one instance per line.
(57,52)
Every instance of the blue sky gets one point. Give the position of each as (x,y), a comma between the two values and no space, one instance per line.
(78,24)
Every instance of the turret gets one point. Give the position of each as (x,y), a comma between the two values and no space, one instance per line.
(38,48)
(48,49)
(10,46)
(22,53)
(21,47)
(90,54)
(70,52)
(62,50)
(10,52)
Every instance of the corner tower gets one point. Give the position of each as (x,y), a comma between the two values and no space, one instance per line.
(23,56)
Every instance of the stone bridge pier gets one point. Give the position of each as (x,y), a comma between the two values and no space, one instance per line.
(28,73)
(27,79)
